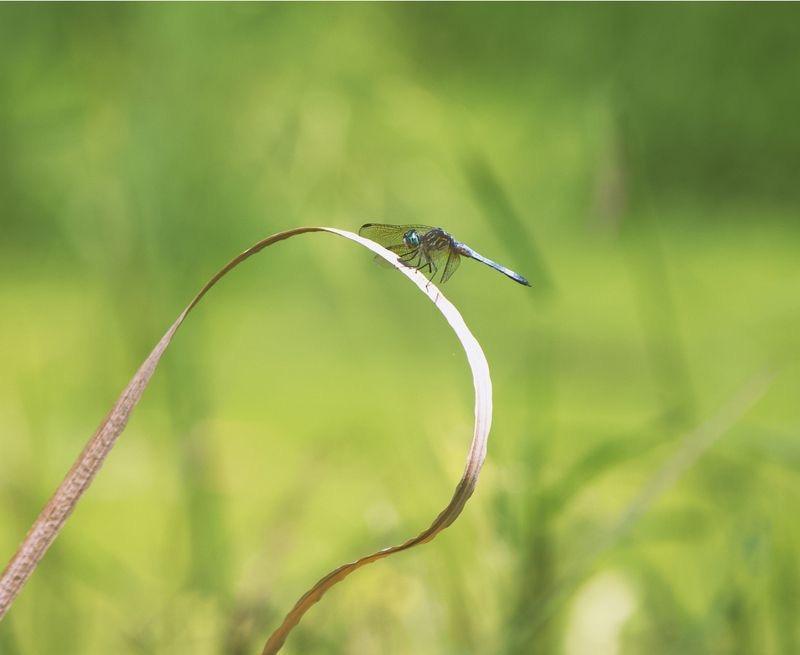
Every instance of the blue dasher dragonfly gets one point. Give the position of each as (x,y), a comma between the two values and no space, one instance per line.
(430,250)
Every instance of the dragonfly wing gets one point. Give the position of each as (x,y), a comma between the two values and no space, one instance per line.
(390,235)
(433,262)
(453,260)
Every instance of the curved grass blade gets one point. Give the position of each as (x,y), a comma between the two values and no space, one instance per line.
(55,514)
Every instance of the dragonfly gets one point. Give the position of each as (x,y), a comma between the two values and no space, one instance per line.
(430,250)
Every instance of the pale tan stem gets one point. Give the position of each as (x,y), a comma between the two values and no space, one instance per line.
(52,518)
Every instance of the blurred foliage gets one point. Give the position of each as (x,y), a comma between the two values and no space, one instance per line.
(638,163)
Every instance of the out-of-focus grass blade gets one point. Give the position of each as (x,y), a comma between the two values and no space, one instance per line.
(693,445)
(57,511)
(510,228)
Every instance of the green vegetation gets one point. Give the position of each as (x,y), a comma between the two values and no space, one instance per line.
(638,164)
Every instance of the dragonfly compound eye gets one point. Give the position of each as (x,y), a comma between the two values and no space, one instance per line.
(411,238)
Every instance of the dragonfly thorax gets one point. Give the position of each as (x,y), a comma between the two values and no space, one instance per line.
(411,239)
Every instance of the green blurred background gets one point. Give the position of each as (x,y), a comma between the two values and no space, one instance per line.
(638,163)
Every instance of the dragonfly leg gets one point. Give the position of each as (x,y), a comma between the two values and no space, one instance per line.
(418,264)
(406,259)
(432,270)
(423,262)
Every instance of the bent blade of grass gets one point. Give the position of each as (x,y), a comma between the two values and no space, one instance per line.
(55,514)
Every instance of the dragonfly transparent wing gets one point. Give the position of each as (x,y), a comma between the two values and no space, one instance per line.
(435,263)
(390,235)
(450,267)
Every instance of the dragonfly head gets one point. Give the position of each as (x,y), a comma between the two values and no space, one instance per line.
(411,239)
